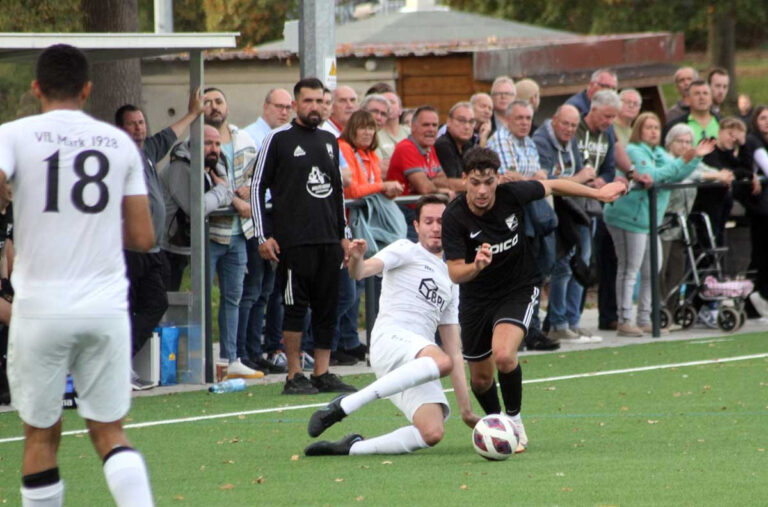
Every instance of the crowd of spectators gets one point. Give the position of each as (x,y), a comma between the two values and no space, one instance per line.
(598,135)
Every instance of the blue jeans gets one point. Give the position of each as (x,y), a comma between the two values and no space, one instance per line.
(543,248)
(345,334)
(564,291)
(228,261)
(257,287)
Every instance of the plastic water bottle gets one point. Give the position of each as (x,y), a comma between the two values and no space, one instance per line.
(228,386)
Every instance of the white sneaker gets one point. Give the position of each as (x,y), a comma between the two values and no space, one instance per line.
(278,359)
(585,333)
(567,336)
(760,304)
(522,436)
(237,369)
(307,362)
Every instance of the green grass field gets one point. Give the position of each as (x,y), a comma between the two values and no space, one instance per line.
(687,435)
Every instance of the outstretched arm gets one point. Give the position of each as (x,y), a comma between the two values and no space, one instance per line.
(359,268)
(607,193)
(194,109)
(449,334)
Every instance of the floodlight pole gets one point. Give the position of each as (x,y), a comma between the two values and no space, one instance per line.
(163,16)
(317,41)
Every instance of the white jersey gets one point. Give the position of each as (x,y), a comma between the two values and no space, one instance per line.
(69,173)
(417,294)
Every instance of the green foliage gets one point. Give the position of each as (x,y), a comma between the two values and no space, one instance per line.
(617,16)
(257,20)
(41,16)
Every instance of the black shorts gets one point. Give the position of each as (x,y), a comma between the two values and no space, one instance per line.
(309,276)
(478,320)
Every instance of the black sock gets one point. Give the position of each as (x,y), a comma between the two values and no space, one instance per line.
(41,479)
(512,390)
(489,400)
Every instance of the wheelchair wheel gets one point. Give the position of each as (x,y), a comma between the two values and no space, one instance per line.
(742,318)
(728,318)
(665,317)
(685,316)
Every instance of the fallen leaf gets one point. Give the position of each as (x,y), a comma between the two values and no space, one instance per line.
(178,497)
(760,449)
(228,462)
(560,474)
(241,416)
(651,421)
(387,462)
(227,486)
(567,489)
(250,395)
(202,467)
(360,498)
(295,457)
(338,479)
(464,486)
(624,408)
(258,480)
(551,388)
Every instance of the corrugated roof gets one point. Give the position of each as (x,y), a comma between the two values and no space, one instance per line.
(419,33)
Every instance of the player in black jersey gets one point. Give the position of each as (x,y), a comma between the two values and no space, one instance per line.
(489,256)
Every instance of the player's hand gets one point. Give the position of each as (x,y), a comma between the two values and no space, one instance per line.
(345,251)
(483,257)
(195,106)
(269,250)
(357,248)
(470,418)
(611,191)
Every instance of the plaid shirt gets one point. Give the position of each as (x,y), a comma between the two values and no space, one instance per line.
(515,154)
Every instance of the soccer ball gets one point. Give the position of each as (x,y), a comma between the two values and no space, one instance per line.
(495,437)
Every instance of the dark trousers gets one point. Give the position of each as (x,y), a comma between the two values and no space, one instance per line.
(177,263)
(758,228)
(147,298)
(257,288)
(605,257)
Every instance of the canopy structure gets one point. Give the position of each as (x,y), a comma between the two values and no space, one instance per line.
(196,353)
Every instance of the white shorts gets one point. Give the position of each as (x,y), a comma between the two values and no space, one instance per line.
(392,348)
(97,351)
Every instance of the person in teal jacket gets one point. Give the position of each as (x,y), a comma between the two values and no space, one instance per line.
(627,219)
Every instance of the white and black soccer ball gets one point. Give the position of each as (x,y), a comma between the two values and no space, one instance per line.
(495,437)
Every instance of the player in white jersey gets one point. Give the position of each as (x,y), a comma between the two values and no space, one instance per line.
(417,297)
(80,198)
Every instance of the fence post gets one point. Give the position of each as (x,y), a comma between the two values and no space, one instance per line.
(654,247)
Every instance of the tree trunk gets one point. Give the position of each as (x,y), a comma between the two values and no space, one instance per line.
(721,47)
(114,82)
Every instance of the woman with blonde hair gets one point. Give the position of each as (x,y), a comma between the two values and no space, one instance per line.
(627,219)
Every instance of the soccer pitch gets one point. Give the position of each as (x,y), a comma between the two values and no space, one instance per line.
(658,424)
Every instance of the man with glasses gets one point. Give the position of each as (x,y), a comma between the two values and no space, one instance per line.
(458,138)
(503,93)
(631,101)
(601,79)
(276,112)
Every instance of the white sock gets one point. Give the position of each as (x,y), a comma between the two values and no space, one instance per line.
(128,480)
(411,374)
(401,441)
(46,496)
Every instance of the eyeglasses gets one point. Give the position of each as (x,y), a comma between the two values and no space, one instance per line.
(465,121)
(503,94)
(280,107)
(631,103)
(606,86)
(377,112)
(683,141)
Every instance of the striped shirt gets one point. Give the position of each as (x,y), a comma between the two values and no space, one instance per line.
(516,154)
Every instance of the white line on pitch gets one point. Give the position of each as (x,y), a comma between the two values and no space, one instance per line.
(317,405)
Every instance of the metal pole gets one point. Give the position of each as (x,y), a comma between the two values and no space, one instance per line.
(654,239)
(202,367)
(317,41)
(163,16)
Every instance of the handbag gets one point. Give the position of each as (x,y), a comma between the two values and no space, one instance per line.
(585,274)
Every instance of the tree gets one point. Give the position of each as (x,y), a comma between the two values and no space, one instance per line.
(257,20)
(115,82)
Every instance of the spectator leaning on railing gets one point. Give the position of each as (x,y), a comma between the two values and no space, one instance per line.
(628,218)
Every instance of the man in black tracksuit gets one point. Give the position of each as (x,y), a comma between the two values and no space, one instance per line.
(299,164)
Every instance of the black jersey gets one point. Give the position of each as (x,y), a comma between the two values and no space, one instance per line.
(300,166)
(513,265)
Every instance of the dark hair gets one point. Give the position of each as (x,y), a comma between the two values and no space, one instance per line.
(380,87)
(428,199)
(308,82)
(480,159)
(423,109)
(360,119)
(62,72)
(717,71)
(214,89)
(120,113)
(753,124)
(696,82)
